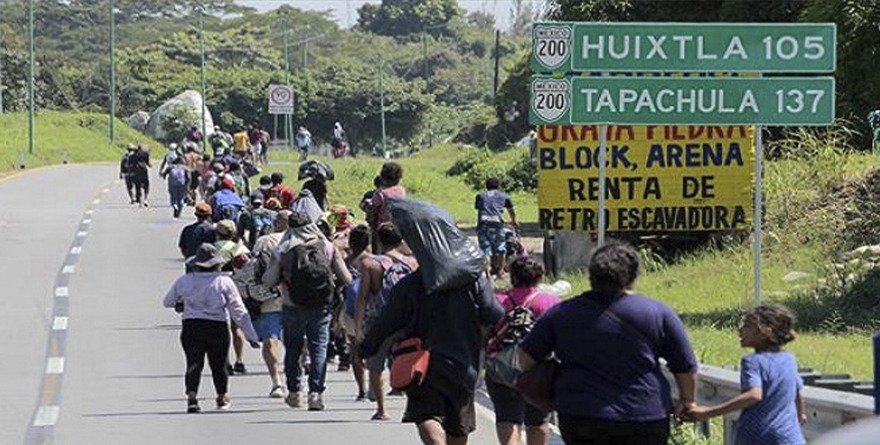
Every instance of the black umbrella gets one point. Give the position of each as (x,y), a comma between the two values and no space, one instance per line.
(314,169)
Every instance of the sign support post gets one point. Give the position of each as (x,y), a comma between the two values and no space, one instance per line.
(603,167)
(759,207)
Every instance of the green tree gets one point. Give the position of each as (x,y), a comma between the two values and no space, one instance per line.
(676,10)
(404,17)
(858,49)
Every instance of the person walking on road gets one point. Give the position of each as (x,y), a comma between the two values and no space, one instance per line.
(141,175)
(279,191)
(771,403)
(126,171)
(358,252)
(389,178)
(230,247)
(303,140)
(197,233)
(523,304)
(379,274)
(207,298)
(177,179)
(490,225)
(449,323)
(269,322)
(609,387)
(308,268)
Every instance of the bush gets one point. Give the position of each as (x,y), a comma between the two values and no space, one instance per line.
(178,120)
(476,165)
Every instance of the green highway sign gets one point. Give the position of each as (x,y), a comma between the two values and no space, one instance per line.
(592,100)
(561,47)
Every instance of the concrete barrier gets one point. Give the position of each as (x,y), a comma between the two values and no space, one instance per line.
(826,409)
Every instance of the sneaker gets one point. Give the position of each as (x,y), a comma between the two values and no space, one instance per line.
(146,203)
(343,367)
(361,396)
(239,368)
(294,399)
(192,406)
(316,402)
(229,369)
(277,392)
(223,403)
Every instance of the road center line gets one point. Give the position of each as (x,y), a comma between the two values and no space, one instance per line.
(62,291)
(55,365)
(59,324)
(47,415)
(69,269)
(76,250)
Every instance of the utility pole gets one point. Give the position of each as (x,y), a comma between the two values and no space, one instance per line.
(112,74)
(288,119)
(382,103)
(425,76)
(1,75)
(31,78)
(497,61)
(202,74)
(306,48)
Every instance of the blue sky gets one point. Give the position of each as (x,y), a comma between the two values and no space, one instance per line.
(345,11)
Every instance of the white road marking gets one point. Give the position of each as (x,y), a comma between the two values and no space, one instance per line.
(105,190)
(62,291)
(82,234)
(68,269)
(96,201)
(47,415)
(55,365)
(89,212)
(76,250)
(87,221)
(59,324)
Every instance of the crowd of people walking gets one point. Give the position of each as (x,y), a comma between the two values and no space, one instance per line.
(408,292)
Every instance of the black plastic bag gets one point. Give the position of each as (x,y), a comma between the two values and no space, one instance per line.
(314,169)
(448,259)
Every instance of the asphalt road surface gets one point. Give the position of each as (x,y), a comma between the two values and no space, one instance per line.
(91,357)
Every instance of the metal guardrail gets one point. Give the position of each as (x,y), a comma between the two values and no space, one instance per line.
(826,409)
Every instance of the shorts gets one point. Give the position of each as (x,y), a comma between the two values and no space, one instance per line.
(444,401)
(491,238)
(511,408)
(381,359)
(268,325)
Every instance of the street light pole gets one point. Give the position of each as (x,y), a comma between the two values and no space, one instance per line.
(112,74)
(202,74)
(1,75)
(31,77)
(382,103)
(288,119)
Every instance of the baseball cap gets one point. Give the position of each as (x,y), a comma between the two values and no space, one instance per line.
(203,209)
(225,227)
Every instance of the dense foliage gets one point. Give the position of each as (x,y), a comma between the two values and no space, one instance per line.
(858,33)
(430,80)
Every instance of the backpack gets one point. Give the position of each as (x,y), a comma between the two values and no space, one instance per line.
(502,365)
(177,177)
(306,271)
(393,270)
(228,211)
(307,204)
(263,223)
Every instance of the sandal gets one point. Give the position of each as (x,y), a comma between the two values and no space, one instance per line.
(380,417)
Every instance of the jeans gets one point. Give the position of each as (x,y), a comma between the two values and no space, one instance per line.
(314,325)
(177,196)
(200,338)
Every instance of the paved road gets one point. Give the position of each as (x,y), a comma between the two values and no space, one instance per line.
(121,374)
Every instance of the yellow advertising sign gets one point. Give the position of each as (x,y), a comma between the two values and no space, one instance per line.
(659,178)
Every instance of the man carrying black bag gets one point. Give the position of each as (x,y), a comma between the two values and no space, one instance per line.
(444,304)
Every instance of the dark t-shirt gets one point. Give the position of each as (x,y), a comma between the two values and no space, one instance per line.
(194,235)
(448,323)
(490,204)
(610,369)
(318,189)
